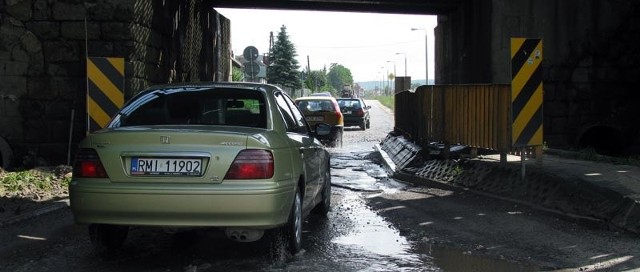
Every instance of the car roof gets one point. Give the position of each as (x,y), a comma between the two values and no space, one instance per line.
(321,94)
(315,98)
(216,84)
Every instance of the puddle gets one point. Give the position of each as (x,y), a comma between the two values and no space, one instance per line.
(355,172)
(450,259)
(373,243)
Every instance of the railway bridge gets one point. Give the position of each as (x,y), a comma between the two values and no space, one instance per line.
(590,65)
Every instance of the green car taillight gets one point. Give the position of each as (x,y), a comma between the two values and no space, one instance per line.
(87,165)
(251,164)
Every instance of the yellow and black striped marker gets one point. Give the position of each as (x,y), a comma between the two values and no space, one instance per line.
(526,92)
(105,94)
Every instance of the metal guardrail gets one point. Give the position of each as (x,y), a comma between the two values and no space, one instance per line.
(473,115)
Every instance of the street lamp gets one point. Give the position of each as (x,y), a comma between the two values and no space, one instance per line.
(383,88)
(426,53)
(394,67)
(405,63)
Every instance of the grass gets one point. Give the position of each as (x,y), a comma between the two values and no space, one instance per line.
(387,100)
(40,181)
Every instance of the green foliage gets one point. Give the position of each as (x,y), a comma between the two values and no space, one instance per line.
(456,170)
(237,74)
(32,182)
(316,80)
(283,68)
(25,180)
(338,76)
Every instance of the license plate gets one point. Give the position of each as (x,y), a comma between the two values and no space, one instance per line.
(166,167)
(347,112)
(316,118)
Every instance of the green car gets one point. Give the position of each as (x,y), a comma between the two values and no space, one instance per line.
(235,156)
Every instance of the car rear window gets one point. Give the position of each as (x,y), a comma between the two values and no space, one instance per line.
(315,105)
(197,106)
(349,104)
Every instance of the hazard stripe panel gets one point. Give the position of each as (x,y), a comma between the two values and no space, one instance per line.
(105,94)
(526,92)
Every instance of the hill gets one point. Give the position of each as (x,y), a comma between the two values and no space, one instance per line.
(372,85)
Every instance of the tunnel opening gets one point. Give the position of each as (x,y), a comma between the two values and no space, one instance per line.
(604,140)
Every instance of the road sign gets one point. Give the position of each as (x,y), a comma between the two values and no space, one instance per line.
(250,53)
(252,68)
(105,93)
(526,92)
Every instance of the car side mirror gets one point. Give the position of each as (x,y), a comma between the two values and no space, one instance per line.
(322,129)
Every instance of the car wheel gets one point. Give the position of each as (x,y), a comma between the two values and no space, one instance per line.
(293,229)
(363,125)
(107,238)
(368,123)
(324,207)
(337,142)
(289,236)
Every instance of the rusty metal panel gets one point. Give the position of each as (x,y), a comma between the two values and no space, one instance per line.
(473,115)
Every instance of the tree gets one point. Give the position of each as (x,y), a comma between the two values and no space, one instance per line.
(338,76)
(316,80)
(283,68)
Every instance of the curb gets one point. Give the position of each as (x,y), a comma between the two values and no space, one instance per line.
(542,190)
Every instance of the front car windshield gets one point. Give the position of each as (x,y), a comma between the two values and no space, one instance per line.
(195,106)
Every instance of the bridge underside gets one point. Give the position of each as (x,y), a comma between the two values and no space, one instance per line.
(432,7)
(590,64)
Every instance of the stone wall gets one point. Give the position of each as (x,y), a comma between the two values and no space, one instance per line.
(44,45)
(591,60)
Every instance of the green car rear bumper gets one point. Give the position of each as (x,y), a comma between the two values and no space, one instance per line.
(261,207)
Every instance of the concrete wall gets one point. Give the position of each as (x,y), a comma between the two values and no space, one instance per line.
(43,48)
(591,59)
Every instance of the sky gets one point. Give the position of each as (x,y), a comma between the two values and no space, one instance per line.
(365,43)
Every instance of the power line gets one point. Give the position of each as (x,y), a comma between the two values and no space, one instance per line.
(357,46)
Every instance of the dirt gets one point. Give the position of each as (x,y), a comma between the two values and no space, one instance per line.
(14,204)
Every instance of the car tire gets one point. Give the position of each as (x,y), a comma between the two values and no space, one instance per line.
(324,207)
(368,123)
(107,238)
(293,229)
(338,141)
(363,125)
(289,236)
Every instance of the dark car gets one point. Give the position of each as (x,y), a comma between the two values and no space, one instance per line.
(355,112)
(234,156)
